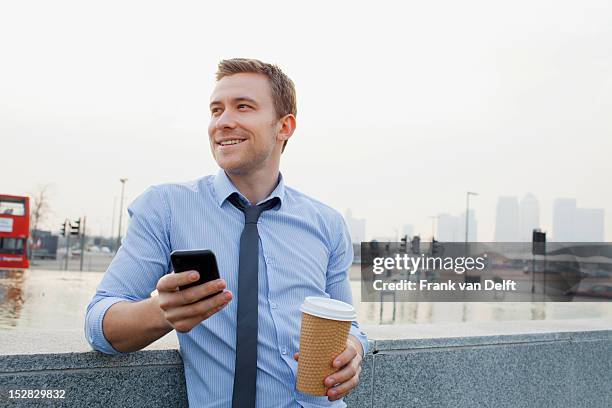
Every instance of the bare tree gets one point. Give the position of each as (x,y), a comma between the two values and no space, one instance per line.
(40,207)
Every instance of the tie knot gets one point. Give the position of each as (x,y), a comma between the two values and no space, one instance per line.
(251,212)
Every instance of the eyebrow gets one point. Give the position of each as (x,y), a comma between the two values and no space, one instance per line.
(236,100)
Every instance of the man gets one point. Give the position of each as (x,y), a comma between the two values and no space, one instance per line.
(302,249)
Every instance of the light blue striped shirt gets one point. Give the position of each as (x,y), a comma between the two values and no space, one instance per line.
(304,250)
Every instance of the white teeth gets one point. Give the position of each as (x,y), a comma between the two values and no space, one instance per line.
(231,142)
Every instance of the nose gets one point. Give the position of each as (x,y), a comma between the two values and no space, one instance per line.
(226,120)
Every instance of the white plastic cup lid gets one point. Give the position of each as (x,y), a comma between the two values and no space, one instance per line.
(328,308)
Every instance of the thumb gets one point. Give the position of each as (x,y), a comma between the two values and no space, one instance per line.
(296,356)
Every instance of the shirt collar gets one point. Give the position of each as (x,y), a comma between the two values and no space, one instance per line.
(224,187)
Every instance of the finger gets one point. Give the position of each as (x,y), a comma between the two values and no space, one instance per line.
(185,325)
(198,310)
(343,389)
(337,397)
(171,282)
(345,357)
(348,372)
(169,300)
(296,356)
(198,292)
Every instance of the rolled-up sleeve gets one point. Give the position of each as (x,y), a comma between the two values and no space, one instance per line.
(142,259)
(338,284)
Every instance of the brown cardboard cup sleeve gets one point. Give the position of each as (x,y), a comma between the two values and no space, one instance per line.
(323,335)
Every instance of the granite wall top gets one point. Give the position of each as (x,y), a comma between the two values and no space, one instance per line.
(382,337)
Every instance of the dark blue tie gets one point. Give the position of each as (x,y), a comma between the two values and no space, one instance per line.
(245,373)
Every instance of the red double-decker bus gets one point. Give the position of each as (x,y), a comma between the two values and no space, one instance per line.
(14,231)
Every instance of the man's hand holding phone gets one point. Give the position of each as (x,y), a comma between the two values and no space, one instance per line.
(184,309)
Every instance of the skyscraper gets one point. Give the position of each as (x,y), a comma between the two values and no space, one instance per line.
(574,224)
(451,228)
(564,212)
(589,225)
(529,217)
(507,220)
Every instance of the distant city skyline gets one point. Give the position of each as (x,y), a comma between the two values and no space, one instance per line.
(514,222)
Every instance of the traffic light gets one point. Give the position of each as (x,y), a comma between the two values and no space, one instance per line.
(404,243)
(75,228)
(538,246)
(435,247)
(63,230)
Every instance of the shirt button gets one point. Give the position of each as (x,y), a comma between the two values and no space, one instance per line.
(269,260)
(284,351)
(273,305)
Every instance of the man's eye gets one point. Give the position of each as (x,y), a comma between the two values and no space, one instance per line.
(243,106)
(215,111)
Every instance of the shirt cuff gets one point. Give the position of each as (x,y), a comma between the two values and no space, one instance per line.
(361,336)
(93,325)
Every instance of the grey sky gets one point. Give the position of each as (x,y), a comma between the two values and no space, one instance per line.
(401,108)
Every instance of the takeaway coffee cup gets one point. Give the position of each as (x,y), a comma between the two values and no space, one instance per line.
(325,328)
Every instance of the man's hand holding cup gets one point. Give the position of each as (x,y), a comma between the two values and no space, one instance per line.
(348,364)
(329,361)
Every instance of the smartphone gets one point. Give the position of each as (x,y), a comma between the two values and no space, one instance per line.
(201,260)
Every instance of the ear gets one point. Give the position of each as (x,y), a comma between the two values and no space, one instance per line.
(287,127)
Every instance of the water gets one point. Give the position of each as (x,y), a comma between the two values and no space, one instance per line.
(43,299)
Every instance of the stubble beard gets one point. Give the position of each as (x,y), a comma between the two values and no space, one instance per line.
(244,164)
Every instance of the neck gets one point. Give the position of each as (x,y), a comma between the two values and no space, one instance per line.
(255,185)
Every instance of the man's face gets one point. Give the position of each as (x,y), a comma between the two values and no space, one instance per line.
(243,123)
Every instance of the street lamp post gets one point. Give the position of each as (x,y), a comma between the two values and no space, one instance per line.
(467,227)
(112,247)
(433,225)
(122,180)
(467,213)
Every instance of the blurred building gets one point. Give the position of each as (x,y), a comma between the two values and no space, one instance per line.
(589,225)
(574,224)
(448,229)
(451,228)
(408,230)
(356,226)
(507,220)
(564,212)
(529,217)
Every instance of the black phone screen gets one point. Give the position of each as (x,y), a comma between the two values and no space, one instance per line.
(201,260)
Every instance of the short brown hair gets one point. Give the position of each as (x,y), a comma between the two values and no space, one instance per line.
(283,89)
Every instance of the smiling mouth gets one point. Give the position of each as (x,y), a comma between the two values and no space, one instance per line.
(231,142)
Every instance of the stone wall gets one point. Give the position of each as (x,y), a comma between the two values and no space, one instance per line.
(558,369)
